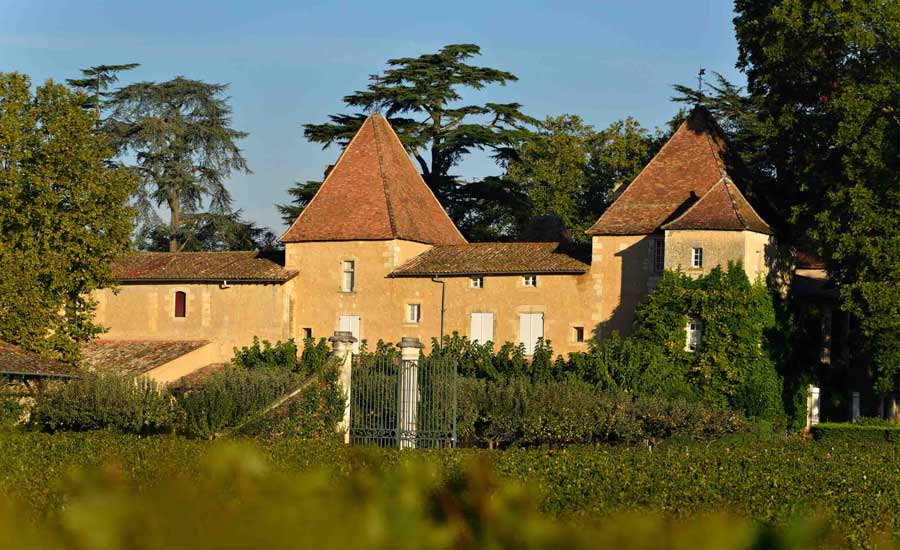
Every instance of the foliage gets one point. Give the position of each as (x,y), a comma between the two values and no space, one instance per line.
(283,356)
(864,433)
(826,76)
(421,96)
(313,413)
(104,402)
(209,232)
(731,367)
(63,215)
(180,135)
(230,396)
(571,170)
(95,81)
(849,489)
(515,411)
(11,410)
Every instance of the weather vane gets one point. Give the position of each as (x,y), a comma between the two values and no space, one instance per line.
(376,106)
(700,74)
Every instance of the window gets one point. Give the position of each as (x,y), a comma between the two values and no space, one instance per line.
(482,330)
(476,282)
(307,333)
(180,304)
(529,280)
(659,255)
(694,333)
(350,323)
(531,328)
(697,257)
(413,313)
(349,281)
(578,334)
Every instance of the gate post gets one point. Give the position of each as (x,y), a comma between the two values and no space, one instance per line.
(343,349)
(409,391)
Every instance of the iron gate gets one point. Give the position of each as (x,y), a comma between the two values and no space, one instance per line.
(406,404)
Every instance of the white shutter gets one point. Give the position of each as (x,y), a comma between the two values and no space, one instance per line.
(487,327)
(482,328)
(531,327)
(350,323)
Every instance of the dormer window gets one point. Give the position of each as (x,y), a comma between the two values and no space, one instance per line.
(697,258)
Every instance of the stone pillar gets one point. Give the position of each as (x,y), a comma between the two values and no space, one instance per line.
(407,410)
(343,350)
(812,406)
(854,406)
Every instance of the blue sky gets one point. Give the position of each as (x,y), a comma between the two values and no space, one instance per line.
(289,63)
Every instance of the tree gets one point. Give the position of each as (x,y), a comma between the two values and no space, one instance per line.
(421,98)
(96,81)
(64,216)
(827,78)
(180,134)
(209,232)
(571,170)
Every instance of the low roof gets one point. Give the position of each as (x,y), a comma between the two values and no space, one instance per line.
(236,267)
(723,207)
(15,361)
(807,260)
(686,167)
(497,259)
(374,192)
(134,357)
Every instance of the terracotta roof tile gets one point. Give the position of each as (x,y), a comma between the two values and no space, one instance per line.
(807,260)
(722,207)
(686,167)
(201,266)
(374,193)
(134,357)
(15,361)
(497,258)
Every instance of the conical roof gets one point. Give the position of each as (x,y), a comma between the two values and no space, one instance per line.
(686,167)
(374,192)
(724,208)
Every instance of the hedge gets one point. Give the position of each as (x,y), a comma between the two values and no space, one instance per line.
(856,433)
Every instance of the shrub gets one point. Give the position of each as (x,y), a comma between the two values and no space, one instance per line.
(313,413)
(856,434)
(265,355)
(230,396)
(104,401)
(516,411)
(11,410)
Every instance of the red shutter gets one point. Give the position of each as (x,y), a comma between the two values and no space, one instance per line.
(180,304)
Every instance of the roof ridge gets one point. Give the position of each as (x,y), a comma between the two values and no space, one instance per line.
(425,183)
(384,185)
(734,205)
(324,181)
(644,169)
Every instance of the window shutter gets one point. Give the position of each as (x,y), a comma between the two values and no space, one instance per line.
(482,327)
(350,323)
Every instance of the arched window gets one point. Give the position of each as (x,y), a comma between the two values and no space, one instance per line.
(180,304)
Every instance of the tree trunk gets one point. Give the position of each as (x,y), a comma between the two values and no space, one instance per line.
(174,207)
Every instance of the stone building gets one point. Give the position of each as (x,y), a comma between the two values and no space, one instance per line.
(375,254)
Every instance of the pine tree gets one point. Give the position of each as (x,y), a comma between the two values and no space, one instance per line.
(421,98)
(181,136)
(96,80)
